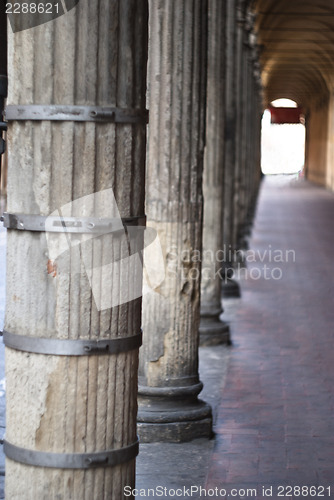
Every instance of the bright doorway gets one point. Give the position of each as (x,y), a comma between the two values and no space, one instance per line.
(283,146)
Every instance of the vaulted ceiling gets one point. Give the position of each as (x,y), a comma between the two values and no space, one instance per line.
(296,43)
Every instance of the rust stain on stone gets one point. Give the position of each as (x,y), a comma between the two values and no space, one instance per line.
(52,268)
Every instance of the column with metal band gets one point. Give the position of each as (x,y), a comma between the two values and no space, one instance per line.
(39,112)
(67,347)
(212,330)
(169,384)
(71,347)
(74,286)
(60,224)
(107,458)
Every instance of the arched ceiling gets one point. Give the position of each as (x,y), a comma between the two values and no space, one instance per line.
(296,44)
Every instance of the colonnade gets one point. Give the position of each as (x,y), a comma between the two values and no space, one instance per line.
(181,165)
(77,141)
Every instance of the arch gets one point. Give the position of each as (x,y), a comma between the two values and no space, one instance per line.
(284,102)
(296,41)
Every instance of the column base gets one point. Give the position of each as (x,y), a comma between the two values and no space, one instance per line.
(212,332)
(230,289)
(172,420)
(243,243)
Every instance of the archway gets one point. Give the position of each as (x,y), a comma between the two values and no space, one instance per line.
(283,138)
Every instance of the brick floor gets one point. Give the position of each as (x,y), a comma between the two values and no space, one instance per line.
(275,422)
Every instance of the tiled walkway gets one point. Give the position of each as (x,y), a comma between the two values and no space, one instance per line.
(275,423)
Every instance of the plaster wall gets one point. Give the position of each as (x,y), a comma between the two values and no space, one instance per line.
(317,149)
(330,145)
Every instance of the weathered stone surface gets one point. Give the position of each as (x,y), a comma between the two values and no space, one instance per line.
(242,134)
(229,122)
(89,56)
(177,82)
(213,187)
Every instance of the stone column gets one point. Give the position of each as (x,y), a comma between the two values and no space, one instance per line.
(245,160)
(3,95)
(232,85)
(252,124)
(168,376)
(240,145)
(77,406)
(255,137)
(251,139)
(212,329)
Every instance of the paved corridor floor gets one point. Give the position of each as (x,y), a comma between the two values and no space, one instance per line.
(275,424)
(274,386)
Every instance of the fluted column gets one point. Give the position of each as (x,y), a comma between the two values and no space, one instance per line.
(240,143)
(249,166)
(245,130)
(169,382)
(75,407)
(3,95)
(254,120)
(232,88)
(212,329)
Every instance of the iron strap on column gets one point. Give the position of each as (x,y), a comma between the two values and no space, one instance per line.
(55,112)
(71,347)
(108,458)
(95,225)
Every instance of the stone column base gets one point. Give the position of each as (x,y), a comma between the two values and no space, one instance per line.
(172,419)
(213,332)
(230,289)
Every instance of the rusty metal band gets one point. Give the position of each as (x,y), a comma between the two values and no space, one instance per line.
(87,225)
(71,347)
(99,114)
(108,458)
